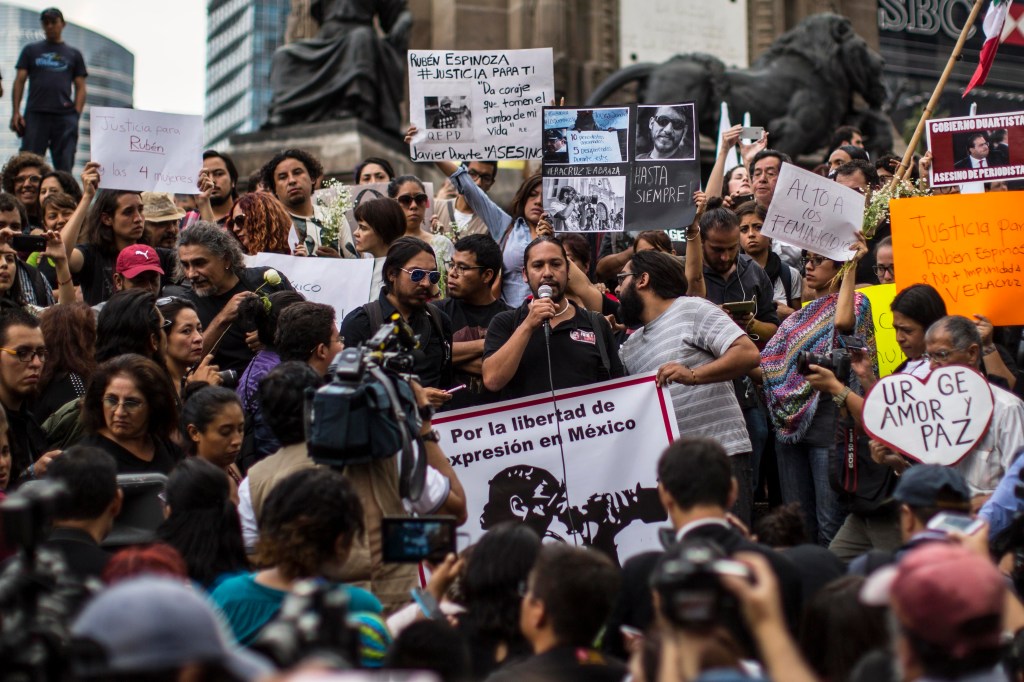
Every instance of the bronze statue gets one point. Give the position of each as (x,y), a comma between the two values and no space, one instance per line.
(348,70)
(801,89)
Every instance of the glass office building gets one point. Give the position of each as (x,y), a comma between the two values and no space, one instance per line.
(240,42)
(111,72)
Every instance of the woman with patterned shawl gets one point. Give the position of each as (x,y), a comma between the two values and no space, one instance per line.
(805,419)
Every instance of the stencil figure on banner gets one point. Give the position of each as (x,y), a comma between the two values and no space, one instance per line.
(968,246)
(696,349)
(512,232)
(291,175)
(113,222)
(212,261)
(478,105)
(549,332)
(554,461)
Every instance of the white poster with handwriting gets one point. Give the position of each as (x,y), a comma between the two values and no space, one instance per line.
(482,105)
(342,283)
(814,213)
(146,151)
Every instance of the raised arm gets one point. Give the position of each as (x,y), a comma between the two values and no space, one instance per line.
(70,233)
(694,263)
(55,251)
(846,312)
(729,139)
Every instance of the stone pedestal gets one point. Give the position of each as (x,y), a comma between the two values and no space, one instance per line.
(339,145)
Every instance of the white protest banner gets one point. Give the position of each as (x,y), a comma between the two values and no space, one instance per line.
(581,467)
(936,421)
(146,151)
(814,213)
(478,104)
(343,283)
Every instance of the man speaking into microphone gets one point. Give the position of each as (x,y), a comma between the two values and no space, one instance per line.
(548,343)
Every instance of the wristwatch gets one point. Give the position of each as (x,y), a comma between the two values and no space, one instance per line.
(840,398)
(431,436)
(426,412)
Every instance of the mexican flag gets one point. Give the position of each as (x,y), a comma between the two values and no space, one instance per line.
(995,19)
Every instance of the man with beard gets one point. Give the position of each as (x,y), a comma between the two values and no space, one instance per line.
(220,178)
(669,129)
(696,349)
(516,351)
(211,258)
(409,274)
(162,219)
(292,175)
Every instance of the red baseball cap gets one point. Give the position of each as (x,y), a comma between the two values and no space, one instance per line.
(945,595)
(137,259)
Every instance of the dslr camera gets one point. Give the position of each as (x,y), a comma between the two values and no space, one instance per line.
(838,361)
(368,410)
(687,580)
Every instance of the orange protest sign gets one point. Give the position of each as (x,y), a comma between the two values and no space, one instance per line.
(970,247)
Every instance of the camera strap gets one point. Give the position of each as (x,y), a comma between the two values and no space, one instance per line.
(413,471)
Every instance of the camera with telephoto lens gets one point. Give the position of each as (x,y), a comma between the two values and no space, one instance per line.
(838,361)
(312,624)
(228,378)
(368,410)
(689,587)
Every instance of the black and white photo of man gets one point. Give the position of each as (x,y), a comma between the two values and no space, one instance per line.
(555,149)
(670,131)
(447,112)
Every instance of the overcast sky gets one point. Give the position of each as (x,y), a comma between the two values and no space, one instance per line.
(167,37)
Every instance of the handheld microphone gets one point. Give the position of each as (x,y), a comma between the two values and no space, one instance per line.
(544,291)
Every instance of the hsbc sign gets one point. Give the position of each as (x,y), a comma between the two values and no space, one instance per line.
(925,17)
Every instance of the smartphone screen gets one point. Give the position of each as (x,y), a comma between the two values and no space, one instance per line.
(411,540)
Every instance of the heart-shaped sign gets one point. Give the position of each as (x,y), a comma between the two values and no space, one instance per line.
(935,421)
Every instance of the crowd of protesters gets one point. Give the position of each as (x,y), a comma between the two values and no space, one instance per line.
(137,344)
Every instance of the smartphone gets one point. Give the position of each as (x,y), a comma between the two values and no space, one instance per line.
(739,307)
(853,342)
(742,199)
(28,243)
(752,133)
(408,540)
(950,521)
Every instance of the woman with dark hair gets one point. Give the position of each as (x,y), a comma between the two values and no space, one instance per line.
(130,322)
(212,427)
(70,333)
(838,629)
(307,526)
(184,348)
(201,522)
(261,223)
(11,292)
(373,169)
(378,224)
(129,411)
(653,240)
(411,195)
(59,181)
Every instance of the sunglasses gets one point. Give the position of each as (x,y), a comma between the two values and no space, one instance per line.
(417,275)
(407,200)
(677,124)
(238,221)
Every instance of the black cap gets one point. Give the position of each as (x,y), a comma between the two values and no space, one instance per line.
(553,134)
(51,13)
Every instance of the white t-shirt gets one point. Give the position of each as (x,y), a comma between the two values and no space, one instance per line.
(796,286)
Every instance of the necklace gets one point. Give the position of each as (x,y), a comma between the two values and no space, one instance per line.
(562,311)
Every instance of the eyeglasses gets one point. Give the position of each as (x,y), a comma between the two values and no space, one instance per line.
(461,269)
(816,261)
(28,179)
(883,269)
(129,404)
(27,354)
(940,355)
(621,277)
(238,221)
(676,123)
(407,200)
(417,275)
(482,177)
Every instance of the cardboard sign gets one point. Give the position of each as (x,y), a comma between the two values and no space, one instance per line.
(890,356)
(976,149)
(342,283)
(481,105)
(146,151)
(935,421)
(814,213)
(580,467)
(969,247)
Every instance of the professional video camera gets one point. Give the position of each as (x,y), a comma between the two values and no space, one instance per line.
(368,411)
(312,623)
(838,361)
(38,596)
(687,581)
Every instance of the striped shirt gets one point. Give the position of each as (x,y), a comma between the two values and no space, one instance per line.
(693,332)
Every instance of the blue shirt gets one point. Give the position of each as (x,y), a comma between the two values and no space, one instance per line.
(514,288)
(1004,503)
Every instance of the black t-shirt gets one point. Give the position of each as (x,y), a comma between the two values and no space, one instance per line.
(469,323)
(575,356)
(165,455)
(233,353)
(28,442)
(97,273)
(564,664)
(433,359)
(52,69)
